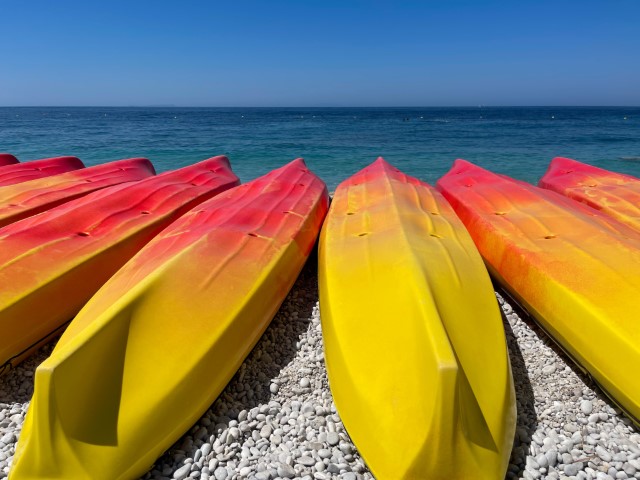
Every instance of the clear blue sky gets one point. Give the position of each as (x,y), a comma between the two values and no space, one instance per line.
(319,53)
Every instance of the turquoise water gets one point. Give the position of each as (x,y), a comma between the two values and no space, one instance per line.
(335,142)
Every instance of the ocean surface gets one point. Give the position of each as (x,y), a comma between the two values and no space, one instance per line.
(335,142)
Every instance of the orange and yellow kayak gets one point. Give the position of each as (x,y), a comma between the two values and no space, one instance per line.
(25,199)
(414,343)
(157,344)
(574,269)
(51,264)
(46,167)
(615,194)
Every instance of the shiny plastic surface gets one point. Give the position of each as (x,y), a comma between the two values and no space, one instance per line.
(575,269)
(414,342)
(46,167)
(50,265)
(25,199)
(157,344)
(615,194)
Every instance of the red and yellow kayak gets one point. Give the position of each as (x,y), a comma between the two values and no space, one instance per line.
(25,199)
(23,172)
(50,265)
(615,194)
(414,343)
(157,344)
(7,159)
(576,270)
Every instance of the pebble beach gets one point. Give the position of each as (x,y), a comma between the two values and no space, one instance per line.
(276,418)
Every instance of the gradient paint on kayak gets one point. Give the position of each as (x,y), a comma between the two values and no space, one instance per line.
(576,270)
(25,199)
(615,194)
(7,159)
(50,265)
(414,343)
(23,172)
(157,344)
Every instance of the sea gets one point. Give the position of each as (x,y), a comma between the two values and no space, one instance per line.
(335,142)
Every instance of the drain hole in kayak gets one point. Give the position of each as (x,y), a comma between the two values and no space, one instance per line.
(351,213)
(500,213)
(145,212)
(89,180)
(363,234)
(253,234)
(468,184)
(83,234)
(549,237)
(435,213)
(435,235)
(301,184)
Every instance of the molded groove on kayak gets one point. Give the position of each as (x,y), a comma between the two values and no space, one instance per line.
(51,264)
(7,159)
(32,170)
(414,343)
(25,199)
(614,194)
(575,269)
(156,345)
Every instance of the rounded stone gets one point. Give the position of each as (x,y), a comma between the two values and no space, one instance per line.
(586,406)
(333,438)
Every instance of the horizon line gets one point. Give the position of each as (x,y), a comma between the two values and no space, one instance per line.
(324,106)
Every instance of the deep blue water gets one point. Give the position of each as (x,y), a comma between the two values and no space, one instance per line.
(335,142)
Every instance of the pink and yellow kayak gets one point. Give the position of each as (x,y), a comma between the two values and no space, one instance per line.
(575,270)
(23,172)
(25,199)
(7,159)
(614,194)
(157,344)
(414,343)
(51,264)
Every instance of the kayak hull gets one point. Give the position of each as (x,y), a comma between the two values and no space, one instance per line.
(614,194)
(574,269)
(23,172)
(413,333)
(7,159)
(50,265)
(26,199)
(203,290)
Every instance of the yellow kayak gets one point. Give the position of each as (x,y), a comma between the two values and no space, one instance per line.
(157,344)
(414,343)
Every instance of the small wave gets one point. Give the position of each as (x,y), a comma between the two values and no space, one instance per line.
(631,158)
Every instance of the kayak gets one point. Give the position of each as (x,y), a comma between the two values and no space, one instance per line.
(51,264)
(23,172)
(414,343)
(7,159)
(576,270)
(614,194)
(156,345)
(25,199)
